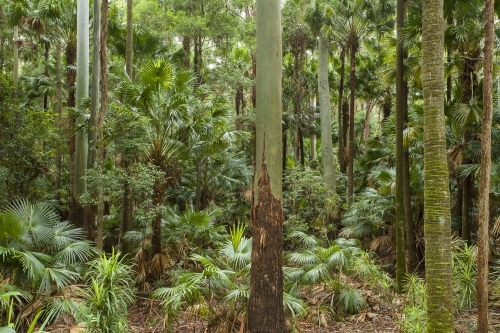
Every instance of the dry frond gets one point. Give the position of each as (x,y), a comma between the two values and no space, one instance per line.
(158,264)
(496,227)
(77,329)
(362,317)
(381,242)
(141,267)
(346,233)
(247,195)
(455,157)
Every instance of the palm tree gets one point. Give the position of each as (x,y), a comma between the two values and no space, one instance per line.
(437,218)
(163,97)
(400,100)
(350,26)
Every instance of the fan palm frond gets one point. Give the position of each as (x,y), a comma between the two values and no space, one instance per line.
(351,301)
(157,73)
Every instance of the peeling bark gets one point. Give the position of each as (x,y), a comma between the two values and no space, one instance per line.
(266,291)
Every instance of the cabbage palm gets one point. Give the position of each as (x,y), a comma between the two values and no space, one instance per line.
(161,96)
(350,27)
(41,255)
(437,219)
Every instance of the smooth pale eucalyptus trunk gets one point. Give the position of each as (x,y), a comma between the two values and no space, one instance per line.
(400,125)
(484,188)
(16,57)
(265,308)
(83,217)
(94,106)
(313,139)
(325,117)
(82,85)
(437,217)
(100,121)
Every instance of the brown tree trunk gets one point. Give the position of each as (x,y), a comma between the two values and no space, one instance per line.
(399,197)
(186,46)
(350,165)
(484,188)
(77,212)
(341,120)
(129,49)
(411,248)
(267,262)
(198,59)
(58,157)
(158,199)
(100,122)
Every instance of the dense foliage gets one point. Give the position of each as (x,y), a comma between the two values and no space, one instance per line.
(178,157)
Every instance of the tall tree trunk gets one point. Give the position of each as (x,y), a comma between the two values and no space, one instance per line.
(366,131)
(437,217)
(94,106)
(186,45)
(350,159)
(313,136)
(46,73)
(253,76)
(58,157)
(400,125)
(198,59)
(158,199)
(449,21)
(325,117)
(342,142)
(128,200)
(285,144)
(411,248)
(345,133)
(76,210)
(100,121)
(2,53)
(15,70)
(82,85)
(265,309)
(484,188)
(129,50)
(466,207)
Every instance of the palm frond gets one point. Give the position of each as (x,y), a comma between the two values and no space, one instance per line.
(294,305)
(351,301)
(306,239)
(60,277)
(157,73)
(76,252)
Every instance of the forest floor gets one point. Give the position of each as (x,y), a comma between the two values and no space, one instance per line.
(381,318)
